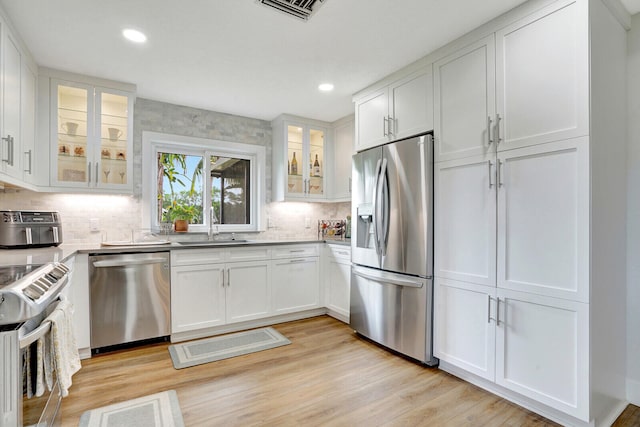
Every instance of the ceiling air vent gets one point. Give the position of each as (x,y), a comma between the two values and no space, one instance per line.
(301,9)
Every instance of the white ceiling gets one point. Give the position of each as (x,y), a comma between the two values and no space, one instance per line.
(238,57)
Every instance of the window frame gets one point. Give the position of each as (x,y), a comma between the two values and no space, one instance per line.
(154,142)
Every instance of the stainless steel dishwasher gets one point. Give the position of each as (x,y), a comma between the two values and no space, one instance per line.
(130,297)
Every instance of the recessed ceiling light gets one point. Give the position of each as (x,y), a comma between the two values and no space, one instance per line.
(326,87)
(134,35)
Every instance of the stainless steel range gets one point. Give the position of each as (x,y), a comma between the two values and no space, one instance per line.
(27,229)
(28,293)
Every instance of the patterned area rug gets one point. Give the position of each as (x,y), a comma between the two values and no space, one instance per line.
(155,410)
(223,347)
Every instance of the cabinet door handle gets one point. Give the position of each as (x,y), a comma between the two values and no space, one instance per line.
(385,124)
(489,140)
(88,173)
(295,250)
(228,277)
(28,154)
(297,260)
(9,159)
(496,132)
(393,124)
(349,184)
(499,171)
(12,145)
(488,308)
(490,168)
(222,275)
(97,172)
(498,312)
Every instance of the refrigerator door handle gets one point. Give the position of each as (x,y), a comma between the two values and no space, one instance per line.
(374,218)
(384,202)
(378,220)
(386,279)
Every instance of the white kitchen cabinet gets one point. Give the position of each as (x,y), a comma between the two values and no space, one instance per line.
(343,137)
(464,99)
(11,138)
(301,145)
(296,284)
(398,110)
(209,290)
(248,290)
(31,157)
(543,219)
(17,146)
(529,217)
(541,348)
(465,219)
(464,332)
(526,84)
(337,276)
(90,134)
(197,297)
(542,76)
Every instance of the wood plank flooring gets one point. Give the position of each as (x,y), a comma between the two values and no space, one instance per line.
(327,376)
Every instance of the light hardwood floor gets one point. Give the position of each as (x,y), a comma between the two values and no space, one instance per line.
(327,376)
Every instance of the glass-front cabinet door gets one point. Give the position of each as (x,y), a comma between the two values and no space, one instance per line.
(91,130)
(305,161)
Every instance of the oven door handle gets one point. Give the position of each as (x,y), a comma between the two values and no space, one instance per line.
(34,335)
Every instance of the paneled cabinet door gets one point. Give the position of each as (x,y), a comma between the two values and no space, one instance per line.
(342,152)
(248,290)
(339,286)
(11,142)
(464,101)
(28,125)
(197,297)
(372,122)
(465,220)
(542,350)
(296,285)
(464,326)
(411,103)
(542,76)
(543,219)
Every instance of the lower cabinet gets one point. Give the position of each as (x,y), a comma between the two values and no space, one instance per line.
(534,345)
(248,293)
(296,284)
(209,294)
(197,297)
(337,277)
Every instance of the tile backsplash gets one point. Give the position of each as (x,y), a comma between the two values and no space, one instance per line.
(118,215)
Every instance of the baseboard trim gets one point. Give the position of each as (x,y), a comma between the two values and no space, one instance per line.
(241,326)
(633,391)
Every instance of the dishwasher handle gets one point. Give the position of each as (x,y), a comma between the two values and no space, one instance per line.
(126,263)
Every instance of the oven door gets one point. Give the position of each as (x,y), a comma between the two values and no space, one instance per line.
(43,410)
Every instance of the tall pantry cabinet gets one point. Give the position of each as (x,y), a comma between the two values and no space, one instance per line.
(529,127)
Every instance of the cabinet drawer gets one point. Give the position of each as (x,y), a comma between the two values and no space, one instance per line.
(197,256)
(295,251)
(339,252)
(249,253)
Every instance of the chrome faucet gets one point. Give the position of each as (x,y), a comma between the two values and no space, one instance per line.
(211,233)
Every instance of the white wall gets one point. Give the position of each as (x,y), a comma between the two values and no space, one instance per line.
(633,215)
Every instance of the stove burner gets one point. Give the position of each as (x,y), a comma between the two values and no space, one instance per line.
(12,273)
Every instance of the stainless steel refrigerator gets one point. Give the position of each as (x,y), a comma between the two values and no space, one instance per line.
(392,246)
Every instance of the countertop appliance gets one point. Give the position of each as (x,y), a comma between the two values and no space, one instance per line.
(129,298)
(28,293)
(29,229)
(392,246)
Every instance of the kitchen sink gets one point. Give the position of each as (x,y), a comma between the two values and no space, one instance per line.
(211,242)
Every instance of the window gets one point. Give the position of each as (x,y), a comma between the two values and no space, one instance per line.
(207,182)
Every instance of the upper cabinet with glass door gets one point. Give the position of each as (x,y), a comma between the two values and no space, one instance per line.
(302,146)
(91,133)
